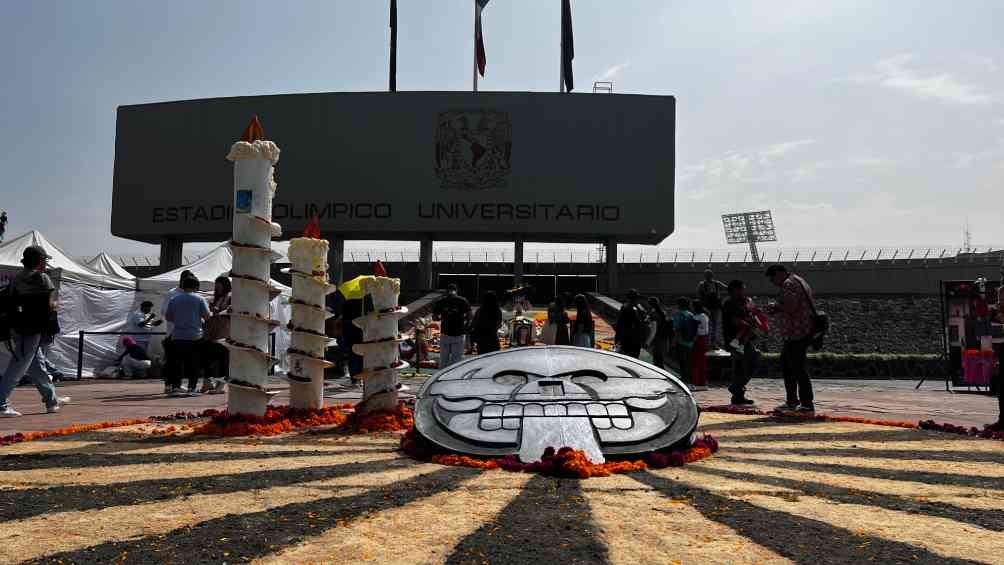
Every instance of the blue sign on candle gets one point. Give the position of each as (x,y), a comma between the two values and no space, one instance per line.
(242,205)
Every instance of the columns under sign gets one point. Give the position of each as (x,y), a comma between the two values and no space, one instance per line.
(612,282)
(336,259)
(425,263)
(171,249)
(517,263)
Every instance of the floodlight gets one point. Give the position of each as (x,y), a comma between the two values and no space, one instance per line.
(749,227)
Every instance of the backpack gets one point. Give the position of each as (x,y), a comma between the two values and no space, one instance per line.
(8,314)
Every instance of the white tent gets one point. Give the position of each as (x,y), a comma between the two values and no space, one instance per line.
(103,263)
(72,271)
(89,301)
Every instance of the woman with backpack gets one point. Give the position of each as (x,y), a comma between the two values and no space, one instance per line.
(699,353)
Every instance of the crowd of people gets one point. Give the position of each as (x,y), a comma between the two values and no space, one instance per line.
(191,347)
(710,321)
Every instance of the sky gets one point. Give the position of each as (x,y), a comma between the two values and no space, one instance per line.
(858,123)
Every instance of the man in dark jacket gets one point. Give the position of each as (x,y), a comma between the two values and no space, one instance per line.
(34,300)
(630,326)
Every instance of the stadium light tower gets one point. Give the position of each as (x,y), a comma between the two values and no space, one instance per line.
(749,227)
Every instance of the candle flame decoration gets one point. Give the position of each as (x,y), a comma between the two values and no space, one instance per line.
(313,229)
(253,132)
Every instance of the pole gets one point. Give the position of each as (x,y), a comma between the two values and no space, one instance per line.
(393,46)
(475,50)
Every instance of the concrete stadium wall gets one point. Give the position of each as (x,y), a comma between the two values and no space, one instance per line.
(836,278)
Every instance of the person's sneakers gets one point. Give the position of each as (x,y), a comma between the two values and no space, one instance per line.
(177,392)
(735,345)
(786,407)
(806,409)
(60,401)
(168,389)
(219,387)
(9,412)
(742,401)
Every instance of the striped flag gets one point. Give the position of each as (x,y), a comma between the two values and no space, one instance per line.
(479,38)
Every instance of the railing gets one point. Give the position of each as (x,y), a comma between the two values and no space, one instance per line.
(82,333)
(736,255)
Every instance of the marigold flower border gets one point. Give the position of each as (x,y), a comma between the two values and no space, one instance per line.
(283,419)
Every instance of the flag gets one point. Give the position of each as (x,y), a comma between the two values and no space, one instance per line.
(393,46)
(567,45)
(378,269)
(479,38)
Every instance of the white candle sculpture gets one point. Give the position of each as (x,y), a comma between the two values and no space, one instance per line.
(250,319)
(309,258)
(380,345)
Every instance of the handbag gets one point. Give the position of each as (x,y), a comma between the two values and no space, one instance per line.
(820,320)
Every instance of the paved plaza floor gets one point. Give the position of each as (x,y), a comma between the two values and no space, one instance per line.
(106,400)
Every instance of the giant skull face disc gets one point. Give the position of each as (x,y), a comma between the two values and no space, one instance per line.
(520,401)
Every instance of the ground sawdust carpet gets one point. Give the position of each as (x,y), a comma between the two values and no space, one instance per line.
(777,492)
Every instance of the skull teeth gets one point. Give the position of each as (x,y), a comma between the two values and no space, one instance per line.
(603,415)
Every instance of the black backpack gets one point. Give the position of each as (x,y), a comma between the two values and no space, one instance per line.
(8,314)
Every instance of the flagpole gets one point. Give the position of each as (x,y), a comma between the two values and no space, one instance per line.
(561,54)
(475,44)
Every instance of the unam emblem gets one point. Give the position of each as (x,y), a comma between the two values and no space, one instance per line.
(473,149)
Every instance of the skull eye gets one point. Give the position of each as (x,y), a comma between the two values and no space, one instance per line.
(511,379)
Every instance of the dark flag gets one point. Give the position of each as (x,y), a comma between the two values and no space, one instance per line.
(393,45)
(479,38)
(567,45)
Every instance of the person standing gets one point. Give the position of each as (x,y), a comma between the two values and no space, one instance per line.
(33,299)
(663,331)
(583,328)
(186,312)
(169,365)
(737,319)
(629,330)
(794,311)
(709,293)
(699,352)
(485,327)
(685,330)
(558,317)
(3,224)
(216,355)
(454,313)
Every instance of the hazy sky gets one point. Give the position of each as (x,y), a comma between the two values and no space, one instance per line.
(856,122)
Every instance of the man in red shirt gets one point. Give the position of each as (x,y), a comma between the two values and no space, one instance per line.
(794,315)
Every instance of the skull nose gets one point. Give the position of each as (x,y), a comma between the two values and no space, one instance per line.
(550,390)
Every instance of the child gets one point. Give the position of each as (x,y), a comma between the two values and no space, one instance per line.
(756,325)
(699,353)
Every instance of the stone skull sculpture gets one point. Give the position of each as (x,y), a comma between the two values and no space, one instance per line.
(520,401)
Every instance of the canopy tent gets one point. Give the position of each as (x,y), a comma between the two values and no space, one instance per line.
(103,263)
(72,271)
(89,300)
(92,301)
(217,262)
